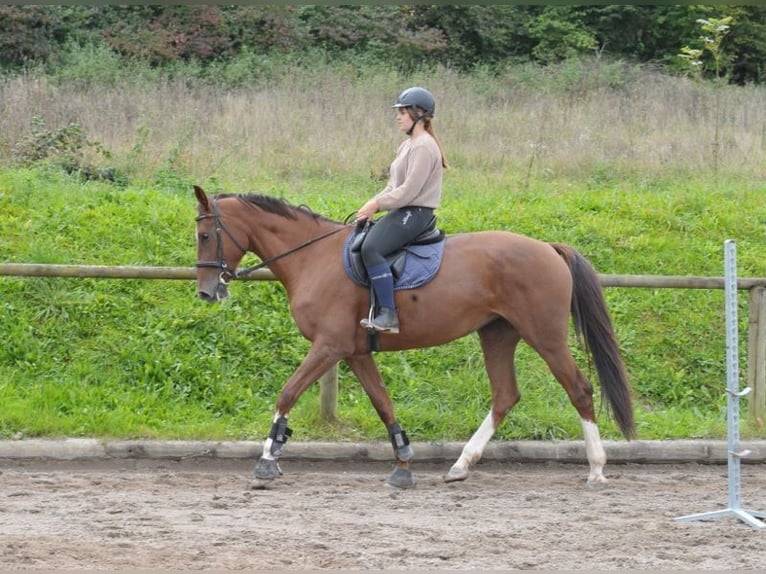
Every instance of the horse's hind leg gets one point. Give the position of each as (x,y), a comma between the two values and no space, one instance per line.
(367,372)
(498,343)
(580,392)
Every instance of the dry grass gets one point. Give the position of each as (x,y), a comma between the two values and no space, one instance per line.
(325,122)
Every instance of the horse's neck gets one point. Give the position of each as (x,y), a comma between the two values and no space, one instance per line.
(277,238)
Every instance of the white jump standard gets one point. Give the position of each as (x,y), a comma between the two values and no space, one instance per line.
(735,452)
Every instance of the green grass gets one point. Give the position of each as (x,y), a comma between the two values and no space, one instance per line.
(146,358)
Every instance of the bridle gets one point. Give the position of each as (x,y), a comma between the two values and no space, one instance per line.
(227,275)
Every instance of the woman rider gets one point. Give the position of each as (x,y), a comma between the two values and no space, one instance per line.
(412,194)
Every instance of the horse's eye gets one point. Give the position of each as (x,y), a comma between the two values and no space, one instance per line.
(204,236)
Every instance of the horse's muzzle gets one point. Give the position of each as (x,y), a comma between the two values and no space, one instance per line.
(212,295)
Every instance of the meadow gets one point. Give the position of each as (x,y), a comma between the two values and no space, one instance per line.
(641,172)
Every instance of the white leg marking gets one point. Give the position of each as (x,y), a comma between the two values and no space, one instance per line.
(595,453)
(473,450)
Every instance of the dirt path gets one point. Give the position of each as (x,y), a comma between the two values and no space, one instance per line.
(203,515)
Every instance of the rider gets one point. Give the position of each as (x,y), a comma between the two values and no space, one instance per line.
(410,197)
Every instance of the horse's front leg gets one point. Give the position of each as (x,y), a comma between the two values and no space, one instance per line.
(318,361)
(367,372)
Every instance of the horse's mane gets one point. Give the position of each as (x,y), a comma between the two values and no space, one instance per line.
(275,205)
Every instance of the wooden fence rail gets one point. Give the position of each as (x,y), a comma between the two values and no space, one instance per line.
(756,287)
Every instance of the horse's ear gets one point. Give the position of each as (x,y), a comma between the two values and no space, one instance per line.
(202,198)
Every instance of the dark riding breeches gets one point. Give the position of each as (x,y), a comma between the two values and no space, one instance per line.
(392,231)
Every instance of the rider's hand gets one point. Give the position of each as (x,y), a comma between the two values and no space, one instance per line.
(367,211)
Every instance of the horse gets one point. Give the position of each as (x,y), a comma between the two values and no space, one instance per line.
(504,286)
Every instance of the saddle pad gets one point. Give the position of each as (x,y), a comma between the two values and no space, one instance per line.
(421,265)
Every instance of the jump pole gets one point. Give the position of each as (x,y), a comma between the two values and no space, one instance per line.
(733,395)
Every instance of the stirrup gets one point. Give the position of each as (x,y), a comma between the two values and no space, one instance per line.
(385,322)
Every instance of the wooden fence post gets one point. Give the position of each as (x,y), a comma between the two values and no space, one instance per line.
(328,395)
(756,354)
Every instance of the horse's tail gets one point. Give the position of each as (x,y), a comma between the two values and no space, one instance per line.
(594,330)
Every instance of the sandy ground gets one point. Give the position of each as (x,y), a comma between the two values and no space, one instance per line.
(202,514)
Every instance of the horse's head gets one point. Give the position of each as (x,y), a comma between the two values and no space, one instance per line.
(218,250)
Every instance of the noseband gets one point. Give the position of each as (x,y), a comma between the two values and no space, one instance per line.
(226,275)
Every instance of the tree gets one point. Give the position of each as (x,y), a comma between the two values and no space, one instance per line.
(747,44)
(28,34)
(399,35)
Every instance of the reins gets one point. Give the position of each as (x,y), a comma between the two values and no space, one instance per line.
(226,275)
(247,270)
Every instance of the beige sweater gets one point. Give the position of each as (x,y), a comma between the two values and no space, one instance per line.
(416,175)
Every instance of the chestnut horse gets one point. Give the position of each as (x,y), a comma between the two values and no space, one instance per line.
(504,286)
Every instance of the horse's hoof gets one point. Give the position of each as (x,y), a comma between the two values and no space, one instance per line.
(401,478)
(260,483)
(597,483)
(267,469)
(455,474)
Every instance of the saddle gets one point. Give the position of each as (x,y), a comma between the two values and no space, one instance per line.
(415,264)
(427,248)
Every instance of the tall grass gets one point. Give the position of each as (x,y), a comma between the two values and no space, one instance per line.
(578,118)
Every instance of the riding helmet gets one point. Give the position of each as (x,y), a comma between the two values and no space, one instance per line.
(417,97)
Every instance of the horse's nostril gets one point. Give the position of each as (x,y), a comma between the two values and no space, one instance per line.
(212,295)
(205,296)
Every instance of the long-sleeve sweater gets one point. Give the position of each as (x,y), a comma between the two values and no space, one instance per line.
(415,177)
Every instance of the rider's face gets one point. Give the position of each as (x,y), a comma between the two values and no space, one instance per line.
(404,119)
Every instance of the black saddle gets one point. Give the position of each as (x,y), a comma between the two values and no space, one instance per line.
(395,260)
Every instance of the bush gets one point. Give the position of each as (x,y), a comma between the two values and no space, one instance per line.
(67,148)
